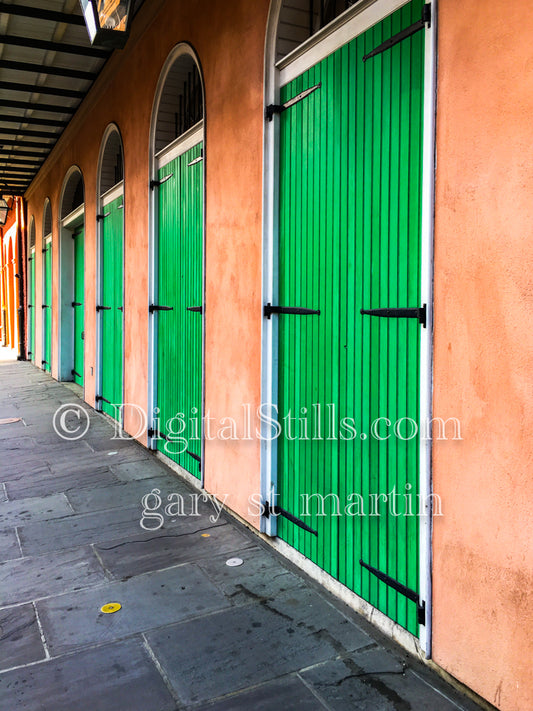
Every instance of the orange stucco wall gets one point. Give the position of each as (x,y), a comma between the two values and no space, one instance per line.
(483,558)
(230,48)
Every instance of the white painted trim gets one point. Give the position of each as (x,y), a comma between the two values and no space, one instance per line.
(113,193)
(335,35)
(74,218)
(47,239)
(342,30)
(179,50)
(180,145)
(426,338)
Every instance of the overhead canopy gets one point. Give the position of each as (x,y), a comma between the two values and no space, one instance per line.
(47,66)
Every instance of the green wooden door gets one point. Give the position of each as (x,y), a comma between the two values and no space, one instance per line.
(349,239)
(179,328)
(112,321)
(31,306)
(78,305)
(47,307)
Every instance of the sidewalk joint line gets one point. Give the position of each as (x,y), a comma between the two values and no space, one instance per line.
(41,631)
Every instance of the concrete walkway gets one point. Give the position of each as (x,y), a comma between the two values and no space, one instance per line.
(192,632)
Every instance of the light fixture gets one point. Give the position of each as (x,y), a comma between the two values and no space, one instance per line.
(107,21)
(4,209)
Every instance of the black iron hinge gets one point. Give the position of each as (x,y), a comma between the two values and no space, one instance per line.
(101,398)
(269,509)
(100,217)
(404,34)
(195,309)
(155,307)
(157,183)
(400,588)
(157,434)
(103,308)
(197,160)
(73,372)
(272,109)
(268,310)
(45,306)
(77,303)
(418,312)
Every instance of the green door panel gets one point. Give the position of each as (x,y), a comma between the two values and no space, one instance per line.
(47,308)
(79,309)
(349,239)
(31,307)
(112,318)
(179,331)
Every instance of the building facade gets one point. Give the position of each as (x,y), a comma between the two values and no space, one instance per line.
(291,242)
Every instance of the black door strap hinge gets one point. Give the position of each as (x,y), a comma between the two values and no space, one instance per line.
(45,306)
(268,310)
(157,183)
(103,308)
(77,303)
(155,307)
(404,34)
(44,362)
(157,434)
(400,588)
(269,510)
(101,398)
(197,160)
(29,259)
(272,109)
(417,312)
(30,306)
(196,457)
(73,372)
(100,217)
(120,308)
(195,309)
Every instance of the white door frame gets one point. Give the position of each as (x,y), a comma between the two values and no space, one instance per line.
(343,29)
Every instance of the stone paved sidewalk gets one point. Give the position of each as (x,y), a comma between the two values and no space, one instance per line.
(193,632)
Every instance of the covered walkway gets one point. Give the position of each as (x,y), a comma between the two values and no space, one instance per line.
(193,631)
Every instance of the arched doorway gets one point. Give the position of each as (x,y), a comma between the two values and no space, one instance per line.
(72,282)
(31,290)
(46,306)
(177,284)
(346,332)
(110,300)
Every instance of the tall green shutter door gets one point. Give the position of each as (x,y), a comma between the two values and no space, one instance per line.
(47,308)
(179,329)
(112,324)
(31,307)
(349,239)
(79,310)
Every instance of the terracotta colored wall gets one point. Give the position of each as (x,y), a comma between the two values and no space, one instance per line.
(483,557)
(230,48)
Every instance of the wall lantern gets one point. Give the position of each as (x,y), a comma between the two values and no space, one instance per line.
(107,21)
(4,209)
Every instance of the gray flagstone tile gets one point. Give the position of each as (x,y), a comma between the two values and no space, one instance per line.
(20,639)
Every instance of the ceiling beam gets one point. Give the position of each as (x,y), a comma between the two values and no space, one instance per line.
(51,108)
(48,46)
(19,161)
(16,143)
(15,169)
(45,69)
(33,120)
(40,14)
(4,131)
(34,89)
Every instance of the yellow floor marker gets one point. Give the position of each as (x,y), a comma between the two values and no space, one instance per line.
(110,607)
